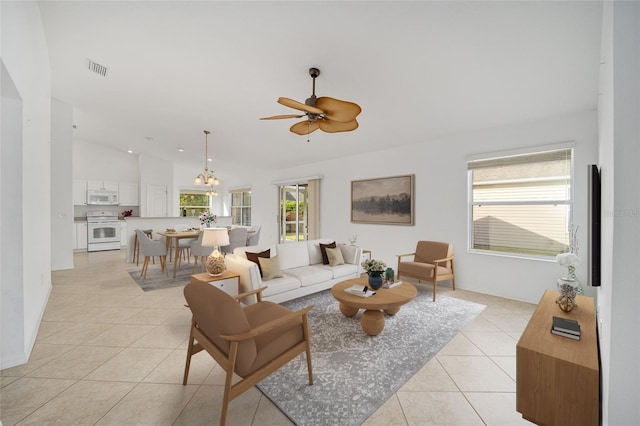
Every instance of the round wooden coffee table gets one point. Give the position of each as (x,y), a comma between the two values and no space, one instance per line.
(388,300)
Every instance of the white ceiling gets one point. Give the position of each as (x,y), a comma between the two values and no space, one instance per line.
(419,70)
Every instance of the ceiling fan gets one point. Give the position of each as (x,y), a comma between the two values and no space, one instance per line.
(327,114)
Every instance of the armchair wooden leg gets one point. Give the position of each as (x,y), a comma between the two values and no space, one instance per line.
(306,332)
(435,286)
(233,353)
(187,364)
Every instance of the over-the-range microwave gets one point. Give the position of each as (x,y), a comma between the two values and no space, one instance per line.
(102,197)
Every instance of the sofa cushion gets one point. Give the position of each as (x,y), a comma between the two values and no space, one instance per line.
(270,267)
(280,285)
(310,275)
(315,254)
(292,255)
(339,271)
(335,256)
(323,250)
(254,257)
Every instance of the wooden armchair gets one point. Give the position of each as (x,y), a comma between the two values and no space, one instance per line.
(251,341)
(432,262)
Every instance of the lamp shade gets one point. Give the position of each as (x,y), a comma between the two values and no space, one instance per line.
(215,237)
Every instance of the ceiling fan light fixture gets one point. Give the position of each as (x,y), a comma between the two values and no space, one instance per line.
(327,114)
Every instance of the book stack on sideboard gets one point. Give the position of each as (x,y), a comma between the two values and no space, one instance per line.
(566,327)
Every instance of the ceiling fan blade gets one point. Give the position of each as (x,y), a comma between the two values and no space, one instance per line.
(304,127)
(338,110)
(278,117)
(299,105)
(335,126)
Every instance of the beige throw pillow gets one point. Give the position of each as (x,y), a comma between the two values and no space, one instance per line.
(270,267)
(335,256)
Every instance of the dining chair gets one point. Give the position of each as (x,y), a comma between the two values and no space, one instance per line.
(237,238)
(251,341)
(253,238)
(149,249)
(432,262)
(198,250)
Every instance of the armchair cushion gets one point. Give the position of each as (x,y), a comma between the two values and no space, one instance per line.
(428,251)
(216,314)
(274,342)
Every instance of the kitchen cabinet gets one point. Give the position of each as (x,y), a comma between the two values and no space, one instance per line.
(79,192)
(81,236)
(128,193)
(123,233)
(102,185)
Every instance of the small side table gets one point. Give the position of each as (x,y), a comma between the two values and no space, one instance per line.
(229,282)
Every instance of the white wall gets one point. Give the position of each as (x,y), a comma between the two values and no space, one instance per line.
(440,201)
(619,154)
(61,177)
(98,162)
(24,54)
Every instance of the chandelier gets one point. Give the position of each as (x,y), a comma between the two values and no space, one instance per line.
(207,177)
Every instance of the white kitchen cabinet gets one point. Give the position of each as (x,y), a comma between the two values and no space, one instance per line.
(102,185)
(123,233)
(81,235)
(128,193)
(79,192)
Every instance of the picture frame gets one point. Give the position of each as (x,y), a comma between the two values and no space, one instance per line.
(385,201)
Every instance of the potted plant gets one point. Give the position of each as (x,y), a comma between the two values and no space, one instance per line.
(375,269)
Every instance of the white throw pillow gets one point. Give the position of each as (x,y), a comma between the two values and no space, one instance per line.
(270,267)
(335,256)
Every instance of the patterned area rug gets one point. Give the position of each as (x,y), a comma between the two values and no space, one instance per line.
(157,280)
(354,374)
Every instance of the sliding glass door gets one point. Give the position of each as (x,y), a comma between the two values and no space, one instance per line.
(293,212)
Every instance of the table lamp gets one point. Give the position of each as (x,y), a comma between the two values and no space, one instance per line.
(215,237)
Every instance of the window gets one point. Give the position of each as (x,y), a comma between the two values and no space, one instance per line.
(294,212)
(521,204)
(241,207)
(193,203)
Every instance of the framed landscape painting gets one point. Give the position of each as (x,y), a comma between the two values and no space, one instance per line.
(386,200)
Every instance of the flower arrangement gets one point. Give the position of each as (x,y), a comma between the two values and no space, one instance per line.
(127,213)
(207,218)
(568,259)
(375,267)
(353,239)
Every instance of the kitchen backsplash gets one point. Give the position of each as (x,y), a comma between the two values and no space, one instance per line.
(81,211)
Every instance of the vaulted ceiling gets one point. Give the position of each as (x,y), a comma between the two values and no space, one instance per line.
(419,70)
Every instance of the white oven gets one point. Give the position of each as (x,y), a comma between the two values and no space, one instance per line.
(103,231)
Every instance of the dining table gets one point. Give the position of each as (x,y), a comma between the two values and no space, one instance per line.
(170,236)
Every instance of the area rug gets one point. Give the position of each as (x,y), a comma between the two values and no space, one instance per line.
(354,374)
(156,279)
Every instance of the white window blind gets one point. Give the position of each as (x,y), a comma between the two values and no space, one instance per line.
(521,204)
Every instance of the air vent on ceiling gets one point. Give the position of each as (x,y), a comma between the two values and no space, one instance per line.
(97,68)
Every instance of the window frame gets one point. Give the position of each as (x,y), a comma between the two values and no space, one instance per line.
(569,202)
(243,207)
(188,208)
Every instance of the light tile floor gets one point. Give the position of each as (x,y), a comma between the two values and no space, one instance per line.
(108,353)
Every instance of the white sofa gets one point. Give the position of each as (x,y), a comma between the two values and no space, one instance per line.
(301,265)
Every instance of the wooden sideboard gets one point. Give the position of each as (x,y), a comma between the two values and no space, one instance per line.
(557,378)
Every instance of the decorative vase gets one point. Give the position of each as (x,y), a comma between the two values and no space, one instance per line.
(375,280)
(568,288)
(572,275)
